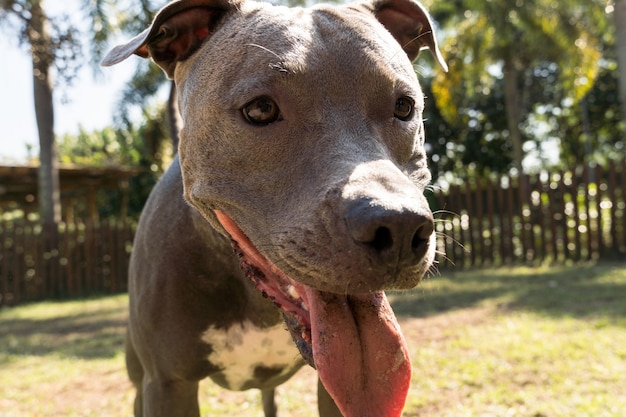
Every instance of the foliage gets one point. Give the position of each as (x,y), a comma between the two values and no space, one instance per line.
(555,49)
(65,45)
(475,149)
(593,130)
(53,43)
(98,148)
(533,32)
(140,146)
(141,89)
(145,85)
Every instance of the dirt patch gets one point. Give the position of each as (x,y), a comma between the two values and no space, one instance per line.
(442,327)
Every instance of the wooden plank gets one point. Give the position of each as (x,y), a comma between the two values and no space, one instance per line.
(542,213)
(553,219)
(622,202)
(470,227)
(90,257)
(522,190)
(510,221)
(80,254)
(526,207)
(456,193)
(587,208)
(598,201)
(479,223)
(491,222)
(575,217)
(612,195)
(5,261)
(502,222)
(451,234)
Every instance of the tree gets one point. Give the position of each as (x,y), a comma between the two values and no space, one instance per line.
(503,40)
(53,45)
(458,152)
(594,128)
(140,91)
(34,28)
(39,37)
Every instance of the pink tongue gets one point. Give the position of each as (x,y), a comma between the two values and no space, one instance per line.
(360,353)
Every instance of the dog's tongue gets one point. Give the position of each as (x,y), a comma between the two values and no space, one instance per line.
(358,349)
(360,353)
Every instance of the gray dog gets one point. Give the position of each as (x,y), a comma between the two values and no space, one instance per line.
(303,152)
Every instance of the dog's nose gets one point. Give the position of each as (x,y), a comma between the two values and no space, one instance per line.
(396,236)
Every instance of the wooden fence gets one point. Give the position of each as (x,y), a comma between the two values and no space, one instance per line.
(544,218)
(89,258)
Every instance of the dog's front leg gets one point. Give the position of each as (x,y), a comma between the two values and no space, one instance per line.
(269,404)
(170,398)
(325,404)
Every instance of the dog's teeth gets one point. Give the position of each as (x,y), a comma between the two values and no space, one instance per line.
(304,306)
(291,290)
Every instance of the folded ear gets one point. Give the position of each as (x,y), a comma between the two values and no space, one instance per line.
(176,32)
(409,22)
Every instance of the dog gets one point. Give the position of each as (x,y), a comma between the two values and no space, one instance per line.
(295,201)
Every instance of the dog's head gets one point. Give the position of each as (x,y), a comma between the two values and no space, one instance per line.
(303,142)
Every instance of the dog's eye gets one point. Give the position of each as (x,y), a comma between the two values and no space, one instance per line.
(404,108)
(261,111)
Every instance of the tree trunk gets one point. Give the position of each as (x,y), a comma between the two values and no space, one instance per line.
(43,58)
(48,192)
(513,111)
(619,15)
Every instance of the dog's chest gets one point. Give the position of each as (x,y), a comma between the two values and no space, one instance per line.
(250,356)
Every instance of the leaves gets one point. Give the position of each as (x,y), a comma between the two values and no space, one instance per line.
(554,49)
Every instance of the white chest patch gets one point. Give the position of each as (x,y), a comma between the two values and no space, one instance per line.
(242,348)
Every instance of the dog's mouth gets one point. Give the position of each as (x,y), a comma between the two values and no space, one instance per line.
(354,341)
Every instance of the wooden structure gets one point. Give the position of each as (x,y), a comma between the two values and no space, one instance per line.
(555,217)
(18,188)
(88,255)
(90,258)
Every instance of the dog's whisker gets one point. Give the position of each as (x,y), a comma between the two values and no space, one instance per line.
(445,257)
(443,211)
(265,49)
(442,221)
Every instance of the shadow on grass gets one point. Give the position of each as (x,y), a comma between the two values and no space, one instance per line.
(587,291)
(577,291)
(91,335)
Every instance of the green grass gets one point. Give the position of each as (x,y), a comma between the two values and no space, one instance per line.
(541,342)
(64,359)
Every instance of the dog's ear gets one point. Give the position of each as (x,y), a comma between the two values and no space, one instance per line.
(176,32)
(409,22)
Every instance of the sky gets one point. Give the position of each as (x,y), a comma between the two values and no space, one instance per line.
(91,100)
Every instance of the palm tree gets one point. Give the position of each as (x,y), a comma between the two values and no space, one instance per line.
(51,46)
(39,37)
(504,39)
(34,29)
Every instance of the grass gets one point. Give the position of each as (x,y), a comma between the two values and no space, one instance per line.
(541,342)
